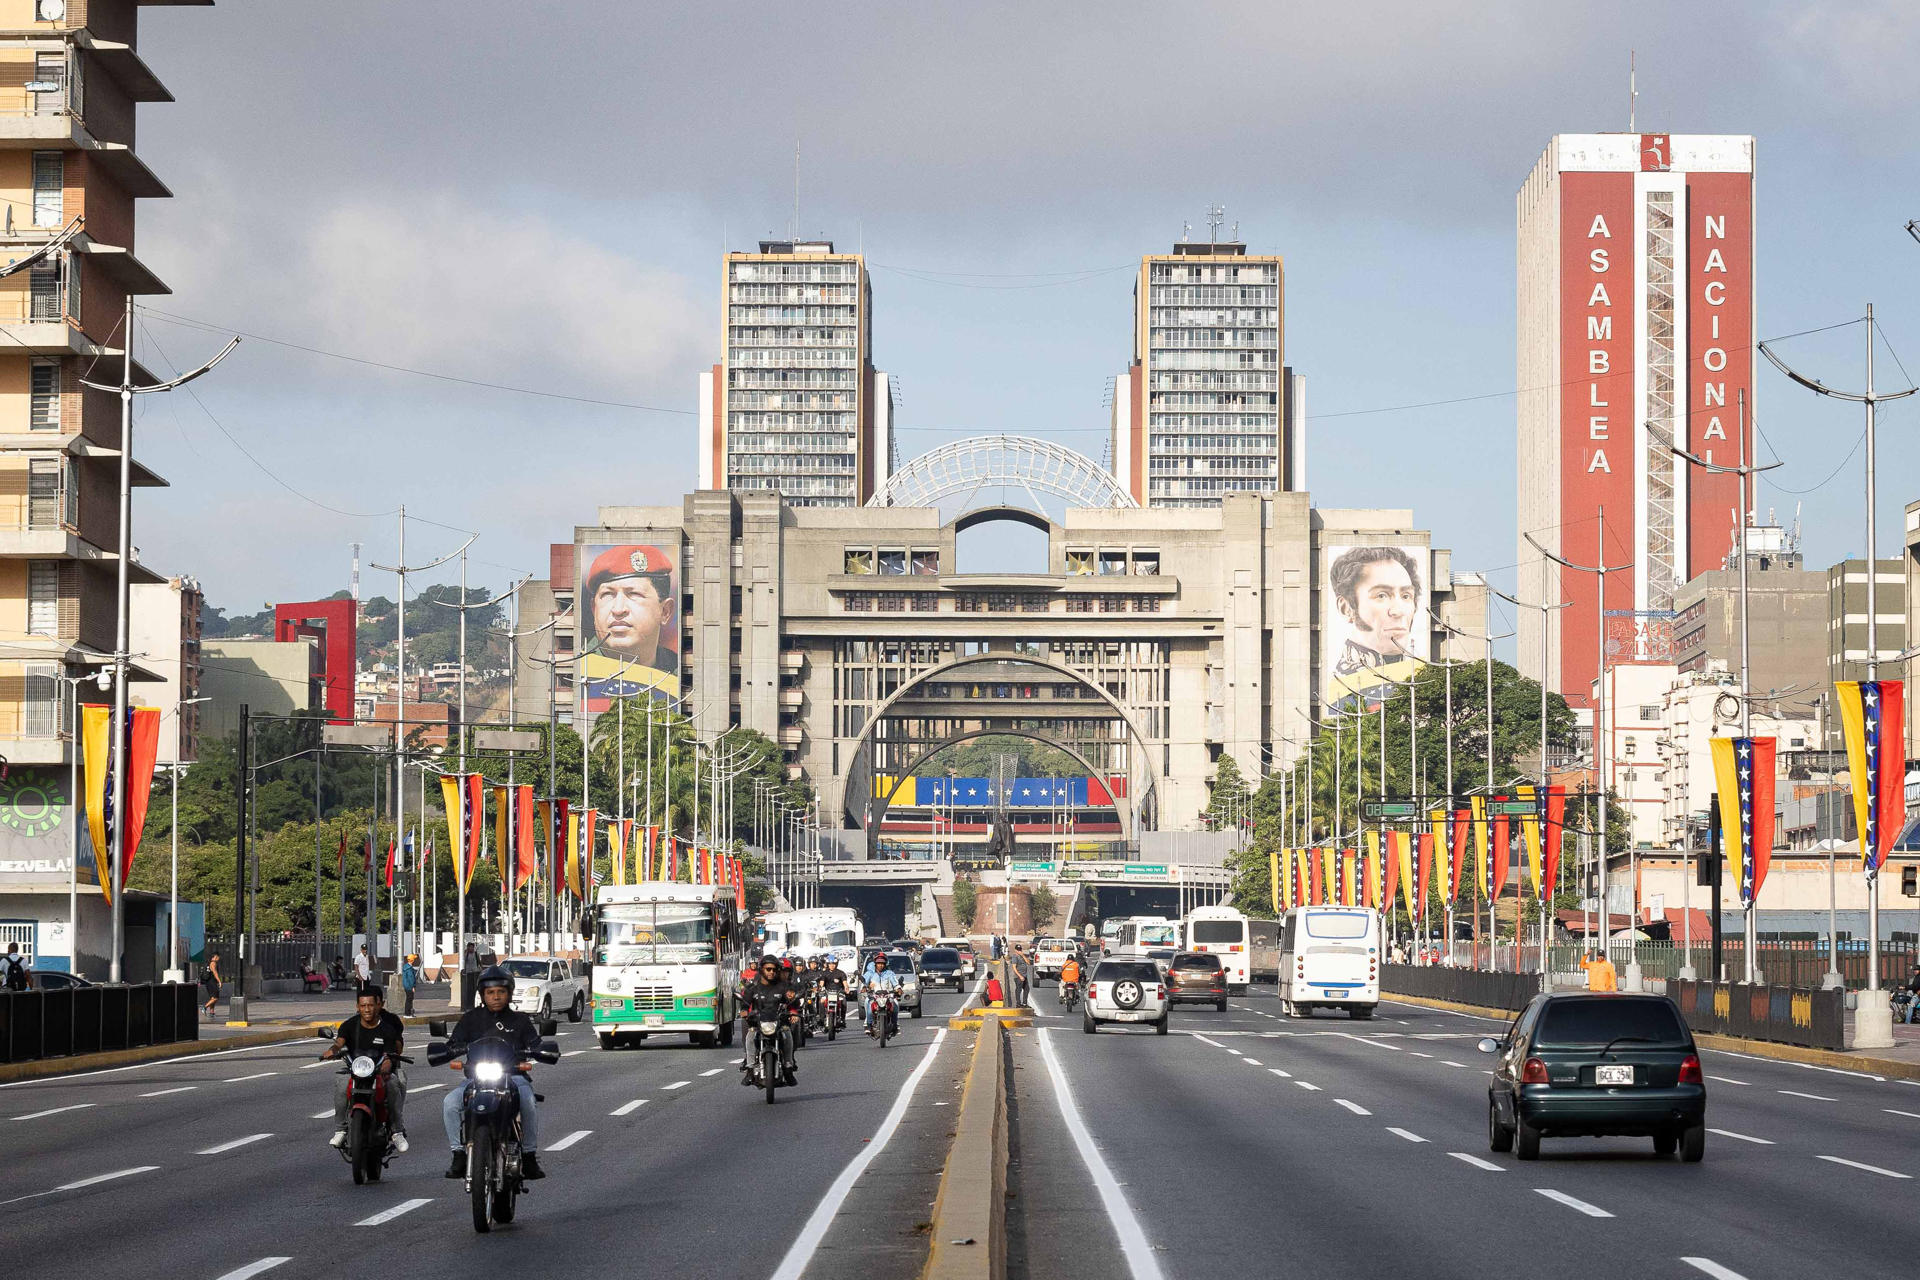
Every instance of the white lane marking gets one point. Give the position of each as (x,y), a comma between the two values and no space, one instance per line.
(1729,1080)
(1449,1062)
(1804,1066)
(1354,1107)
(422,1088)
(1741,1137)
(677,1084)
(1476,1162)
(815,1230)
(1252,1062)
(237,1142)
(1591,1210)
(569,1140)
(1870,1168)
(716,1071)
(573,1053)
(1795,1093)
(1402,1133)
(258,1075)
(1911,1115)
(54,1111)
(388,1215)
(1126,1224)
(628,1108)
(157,1062)
(1311,1088)
(1416,1053)
(1203,1040)
(1713,1269)
(254,1268)
(106,1177)
(322,1062)
(161,1093)
(1284,1075)
(321,1115)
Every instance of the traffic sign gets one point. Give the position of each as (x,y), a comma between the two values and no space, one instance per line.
(1516,808)
(1391,809)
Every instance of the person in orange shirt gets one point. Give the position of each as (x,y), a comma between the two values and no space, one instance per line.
(1069,980)
(1600,973)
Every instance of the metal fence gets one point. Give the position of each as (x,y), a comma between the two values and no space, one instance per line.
(1782,1014)
(1484,988)
(280,957)
(71,1020)
(1799,963)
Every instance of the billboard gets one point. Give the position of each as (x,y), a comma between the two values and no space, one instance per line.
(37,830)
(629,630)
(1375,620)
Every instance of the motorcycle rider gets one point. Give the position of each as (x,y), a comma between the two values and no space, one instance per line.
(1069,978)
(493,1019)
(880,977)
(377,1034)
(773,995)
(833,980)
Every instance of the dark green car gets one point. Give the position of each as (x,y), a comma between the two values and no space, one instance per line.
(1592,1064)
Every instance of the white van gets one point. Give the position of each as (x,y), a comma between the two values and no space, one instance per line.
(1330,958)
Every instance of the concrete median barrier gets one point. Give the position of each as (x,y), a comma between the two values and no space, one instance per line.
(969,1235)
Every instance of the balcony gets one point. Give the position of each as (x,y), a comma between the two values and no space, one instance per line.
(792,699)
(792,661)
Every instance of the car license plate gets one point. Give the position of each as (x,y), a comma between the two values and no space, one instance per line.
(1613,1075)
(656,1019)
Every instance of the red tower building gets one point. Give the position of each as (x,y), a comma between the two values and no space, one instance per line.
(332,624)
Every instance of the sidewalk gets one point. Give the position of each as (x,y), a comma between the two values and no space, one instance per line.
(299,1010)
(1905,1051)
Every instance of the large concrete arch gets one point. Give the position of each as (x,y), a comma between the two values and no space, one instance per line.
(877,805)
(863,745)
(1003,461)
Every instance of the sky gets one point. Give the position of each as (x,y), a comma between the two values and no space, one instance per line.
(457,188)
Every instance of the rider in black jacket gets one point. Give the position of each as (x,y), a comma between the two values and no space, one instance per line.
(494,1020)
(772,995)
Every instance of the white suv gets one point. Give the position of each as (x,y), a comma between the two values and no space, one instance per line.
(1130,990)
(544,986)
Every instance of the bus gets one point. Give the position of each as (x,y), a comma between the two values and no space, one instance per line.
(666,959)
(1221,931)
(1138,935)
(833,932)
(1330,958)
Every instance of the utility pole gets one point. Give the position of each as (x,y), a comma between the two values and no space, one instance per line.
(123,610)
(1873,1019)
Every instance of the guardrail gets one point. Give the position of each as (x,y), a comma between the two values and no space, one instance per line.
(1785,1015)
(1487,989)
(75,1020)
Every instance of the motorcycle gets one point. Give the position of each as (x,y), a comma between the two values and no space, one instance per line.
(1902,1002)
(490,1120)
(836,1012)
(369,1145)
(1069,994)
(886,1016)
(763,1050)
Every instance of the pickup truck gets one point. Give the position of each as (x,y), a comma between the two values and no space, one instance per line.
(1049,957)
(544,986)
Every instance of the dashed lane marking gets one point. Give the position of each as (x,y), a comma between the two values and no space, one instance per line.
(1203,1040)
(1713,1269)
(321,1115)
(98,1178)
(1476,1161)
(1402,1133)
(1354,1107)
(1573,1202)
(1416,1053)
(1911,1115)
(677,1084)
(1815,1097)
(388,1215)
(161,1093)
(1729,1080)
(254,1268)
(322,1062)
(54,1111)
(1742,1137)
(716,1071)
(569,1140)
(628,1108)
(249,1140)
(1284,1075)
(573,1053)
(1311,1088)
(258,1075)
(1252,1062)
(1449,1062)
(1869,1168)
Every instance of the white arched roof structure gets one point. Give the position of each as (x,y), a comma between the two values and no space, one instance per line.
(1003,462)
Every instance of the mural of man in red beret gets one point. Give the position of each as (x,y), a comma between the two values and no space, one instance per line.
(629,594)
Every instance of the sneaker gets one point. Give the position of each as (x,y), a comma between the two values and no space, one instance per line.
(338,1140)
(399,1141)
(746,1078)
(458,1168)
(530,1167)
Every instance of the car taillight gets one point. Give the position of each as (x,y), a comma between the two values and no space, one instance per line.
(1533,1071)
(1690,1070)
(1160,993)
(1092,991)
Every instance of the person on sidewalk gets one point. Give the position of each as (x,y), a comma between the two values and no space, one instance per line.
(1913,993)
(469,977)
(16,974)
(1601,975)
(362,968)
(409,979)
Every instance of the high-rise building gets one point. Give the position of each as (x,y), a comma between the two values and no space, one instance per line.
(1635,329)
(796,406)
(1208,406)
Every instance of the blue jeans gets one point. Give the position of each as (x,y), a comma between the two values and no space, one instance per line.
(529,1125)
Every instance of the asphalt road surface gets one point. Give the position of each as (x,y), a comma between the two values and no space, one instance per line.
(658,1162)
(1248,1144)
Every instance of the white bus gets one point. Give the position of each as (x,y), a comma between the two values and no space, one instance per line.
(1221,931)
(1138,935)
(1330,958)
(833,932)
(666,958)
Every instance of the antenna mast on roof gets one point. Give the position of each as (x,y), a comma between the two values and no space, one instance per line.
(1216,214)
(796,190)
(1633,92)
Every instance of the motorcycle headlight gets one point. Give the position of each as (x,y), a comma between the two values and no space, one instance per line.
(490,1072)
(363,1067)
(769,1028)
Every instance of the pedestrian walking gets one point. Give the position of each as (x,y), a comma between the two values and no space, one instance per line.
(210,980)
(409,979)
(16,974)
(470,976)
(363,968)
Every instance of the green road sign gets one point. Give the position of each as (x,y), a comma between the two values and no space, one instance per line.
(1392,809)
(1516,808)
(1031,868)
(1144,869)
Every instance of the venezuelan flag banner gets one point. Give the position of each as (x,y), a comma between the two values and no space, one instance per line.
(1556,834)
(96,742)
(571,877)
(1743,770)
(453,794)
(1400,876)
(524,860)
(1302,877)
(503,826)
(473,820)
(1530,839)
(1482,868)
(1317,877)
(1374,875)
(1423,864)
(1873,722)
(582,879)
(1457,854)
(1501,857)
(1273,880)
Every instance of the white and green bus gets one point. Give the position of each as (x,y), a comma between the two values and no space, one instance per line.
(666,960)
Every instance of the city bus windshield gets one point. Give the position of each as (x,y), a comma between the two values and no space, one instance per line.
(656,933)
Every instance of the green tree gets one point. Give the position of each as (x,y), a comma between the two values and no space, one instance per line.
(966,901)
(1042,907)
(1228,804)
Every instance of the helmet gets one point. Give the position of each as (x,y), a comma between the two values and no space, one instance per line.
(413,959)
(493,976)
(766,960)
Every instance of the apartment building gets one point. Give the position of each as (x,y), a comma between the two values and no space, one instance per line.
(164,629)
(1208,406)
(795,406)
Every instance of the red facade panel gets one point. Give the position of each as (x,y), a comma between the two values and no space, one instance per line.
(1719,354)
(1596,410)
(332,623)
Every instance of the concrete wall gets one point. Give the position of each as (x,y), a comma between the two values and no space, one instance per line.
(269,677)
